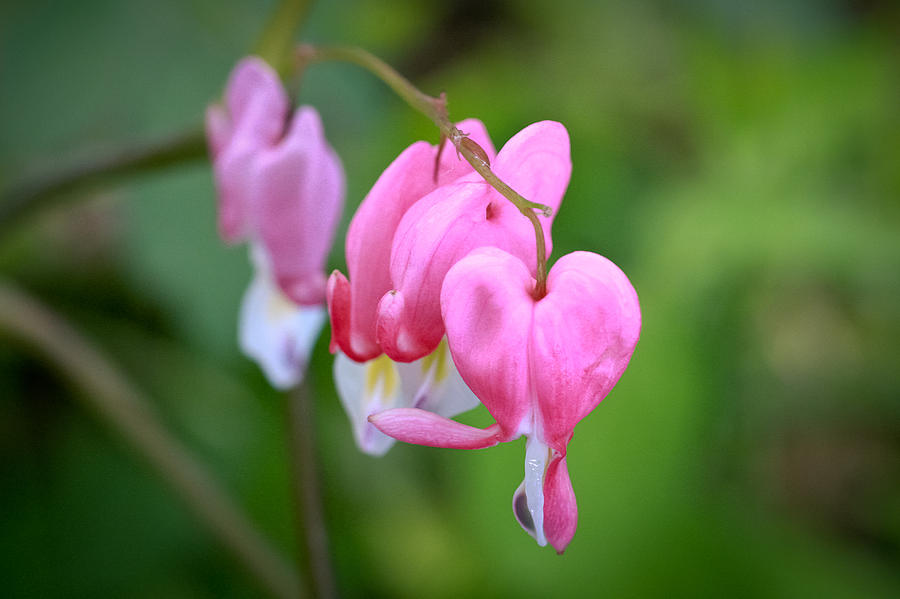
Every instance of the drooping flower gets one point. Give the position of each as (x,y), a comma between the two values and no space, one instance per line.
(444,226)
(281,187)
(367,381)
(539,365)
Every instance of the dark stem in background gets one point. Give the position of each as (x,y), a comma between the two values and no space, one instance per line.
(313,554)
(82,173)
(108,392)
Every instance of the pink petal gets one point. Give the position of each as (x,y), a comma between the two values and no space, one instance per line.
(413,425)
(301,192)
(585,331)
(371,232)
(434,234)
(487,308)
(234,171)
(455,219)
(256,101)
(537,163)
(560,509)
(343,336)
(368,249)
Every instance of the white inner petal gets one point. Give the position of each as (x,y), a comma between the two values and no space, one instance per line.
(536,459)
(276,333)
(364,389)
(432,383)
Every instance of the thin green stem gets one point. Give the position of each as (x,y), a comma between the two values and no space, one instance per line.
(436,110)
(275,41)
(313,554)
(85,172)
(108,392)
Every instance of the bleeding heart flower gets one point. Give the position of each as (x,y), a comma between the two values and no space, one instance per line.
(280,186)
(353,303)
(539,365)
(454,219)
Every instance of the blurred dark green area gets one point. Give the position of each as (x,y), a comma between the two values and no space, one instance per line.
(740,161)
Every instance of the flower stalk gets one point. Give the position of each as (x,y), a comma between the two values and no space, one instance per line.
(436,110)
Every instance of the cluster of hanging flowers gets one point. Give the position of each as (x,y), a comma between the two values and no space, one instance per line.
(446,303)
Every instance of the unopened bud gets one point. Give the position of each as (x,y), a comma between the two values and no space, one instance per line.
(473,147)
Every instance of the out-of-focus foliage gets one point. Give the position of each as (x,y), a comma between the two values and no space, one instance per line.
(740,161)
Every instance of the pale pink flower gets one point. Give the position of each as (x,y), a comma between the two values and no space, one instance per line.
(280,186)
(538,365)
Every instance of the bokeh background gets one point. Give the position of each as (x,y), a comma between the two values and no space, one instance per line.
(740,161)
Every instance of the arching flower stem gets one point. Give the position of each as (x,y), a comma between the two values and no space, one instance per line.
(435,108)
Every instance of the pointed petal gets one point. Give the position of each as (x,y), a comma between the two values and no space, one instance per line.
(420,427)
(487,307)
(366,388)
(560,509)
(537,163)
(301,192)
(277,334)
(585,331)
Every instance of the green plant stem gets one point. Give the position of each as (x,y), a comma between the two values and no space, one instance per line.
(275,41)
(313,554)
(85,172)
(436,110)
(107,391)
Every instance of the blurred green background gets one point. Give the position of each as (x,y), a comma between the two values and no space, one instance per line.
(740,161)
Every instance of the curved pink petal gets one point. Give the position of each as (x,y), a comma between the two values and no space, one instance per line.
(487,308)
(256,101)
(337,296)
(301,192)
(585,331)
(560,509)
(414,425)
(368,249)
(455,219)
(371,232)
(434,234)
(537,163)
